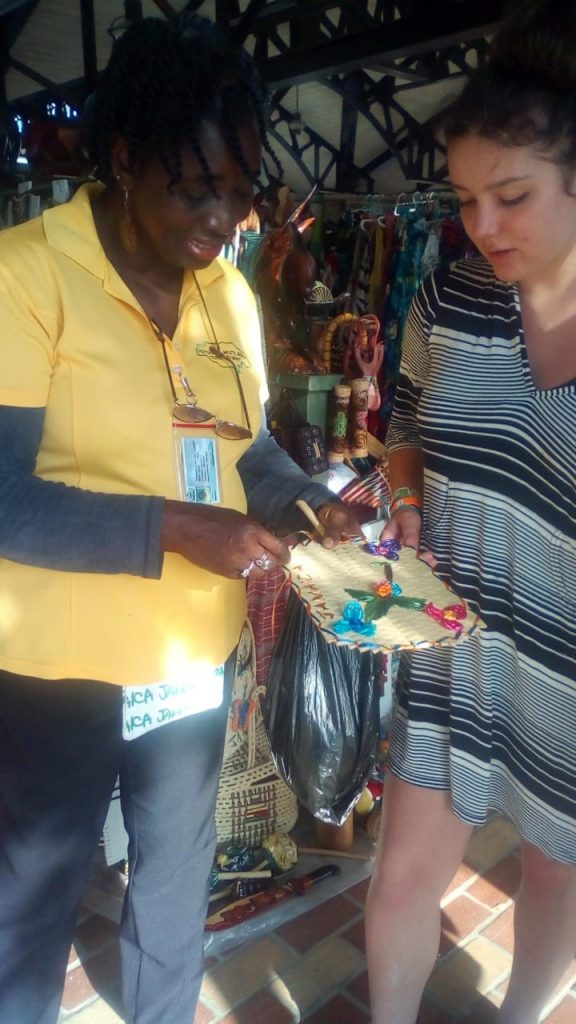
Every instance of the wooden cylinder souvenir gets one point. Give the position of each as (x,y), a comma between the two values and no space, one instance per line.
(358,419)
(373,823)
(335,837)
(339,433)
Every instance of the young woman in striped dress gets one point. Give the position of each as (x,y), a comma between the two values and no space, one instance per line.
(483,465)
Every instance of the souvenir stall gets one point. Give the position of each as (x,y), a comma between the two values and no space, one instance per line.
(335,282)
(334,274)
(311,640)
(326,319)
(360,260)
(327,631)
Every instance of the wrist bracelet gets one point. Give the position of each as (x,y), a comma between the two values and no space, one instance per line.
(405,492)
(413,503)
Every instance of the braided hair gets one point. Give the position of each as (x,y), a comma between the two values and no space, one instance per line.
(166,77)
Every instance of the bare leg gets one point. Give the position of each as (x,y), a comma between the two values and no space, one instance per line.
(420,848)
(544,935)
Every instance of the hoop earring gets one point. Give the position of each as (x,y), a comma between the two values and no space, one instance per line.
(128,235)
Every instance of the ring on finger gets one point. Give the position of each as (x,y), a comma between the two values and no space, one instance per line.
(263,562)
(246,572)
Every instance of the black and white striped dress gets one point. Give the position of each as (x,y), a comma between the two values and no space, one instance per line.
(493,718)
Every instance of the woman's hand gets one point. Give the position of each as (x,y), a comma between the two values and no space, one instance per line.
(339,523)
(405,526)
(220,540)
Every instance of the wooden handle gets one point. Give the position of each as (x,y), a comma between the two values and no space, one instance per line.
(265,873)
(226,891)
(310,516)
(333,853)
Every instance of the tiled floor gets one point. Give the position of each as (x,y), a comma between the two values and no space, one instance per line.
(312,968)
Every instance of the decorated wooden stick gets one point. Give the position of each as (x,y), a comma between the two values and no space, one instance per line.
(338,446)
(358,427)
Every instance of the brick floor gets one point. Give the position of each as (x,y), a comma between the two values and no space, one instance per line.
(308,929)
(312,969)
(460,918)
(336,1011)
(262,1008)
(499,884)
(501,930)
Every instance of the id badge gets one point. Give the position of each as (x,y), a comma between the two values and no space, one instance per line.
(197,466)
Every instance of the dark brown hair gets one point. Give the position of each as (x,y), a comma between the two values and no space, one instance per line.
(525,95)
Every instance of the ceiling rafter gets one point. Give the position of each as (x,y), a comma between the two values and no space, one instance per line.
(390,40)
(52,88)
(412,144)
(465,58)
(302,143)
(369,52)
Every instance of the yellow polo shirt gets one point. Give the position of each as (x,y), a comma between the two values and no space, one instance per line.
(76,341)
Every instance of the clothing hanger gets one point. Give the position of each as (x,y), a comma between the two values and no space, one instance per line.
(405,202)
(365,221)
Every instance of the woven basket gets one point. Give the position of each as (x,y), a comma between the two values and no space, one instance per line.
(253,800)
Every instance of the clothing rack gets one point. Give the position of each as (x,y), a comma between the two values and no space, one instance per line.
(376,204)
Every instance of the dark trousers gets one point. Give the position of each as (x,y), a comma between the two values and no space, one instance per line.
(61,750)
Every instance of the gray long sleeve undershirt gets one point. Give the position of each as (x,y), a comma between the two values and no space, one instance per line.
(56,526)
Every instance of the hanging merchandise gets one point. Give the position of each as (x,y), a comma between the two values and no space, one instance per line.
(379,253)
(418,227)
(322,716)
(267,596)
(246,245)
(253,800)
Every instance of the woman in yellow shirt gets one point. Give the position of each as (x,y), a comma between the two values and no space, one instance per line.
(134,477)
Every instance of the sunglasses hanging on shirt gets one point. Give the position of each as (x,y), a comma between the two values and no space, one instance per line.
(189,411)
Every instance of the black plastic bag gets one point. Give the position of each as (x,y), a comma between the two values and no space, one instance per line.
(322,715)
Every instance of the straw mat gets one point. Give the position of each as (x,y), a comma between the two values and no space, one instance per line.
(323,577)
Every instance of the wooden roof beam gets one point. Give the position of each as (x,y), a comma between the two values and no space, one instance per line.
(55,90)
(405,37)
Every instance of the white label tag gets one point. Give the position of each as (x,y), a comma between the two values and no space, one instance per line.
(199,461)
(148,707)
(60,190)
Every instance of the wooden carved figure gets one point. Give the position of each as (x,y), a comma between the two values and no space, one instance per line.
(285,275)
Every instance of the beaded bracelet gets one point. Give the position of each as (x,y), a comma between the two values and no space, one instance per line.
(412,502)
(406,492)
